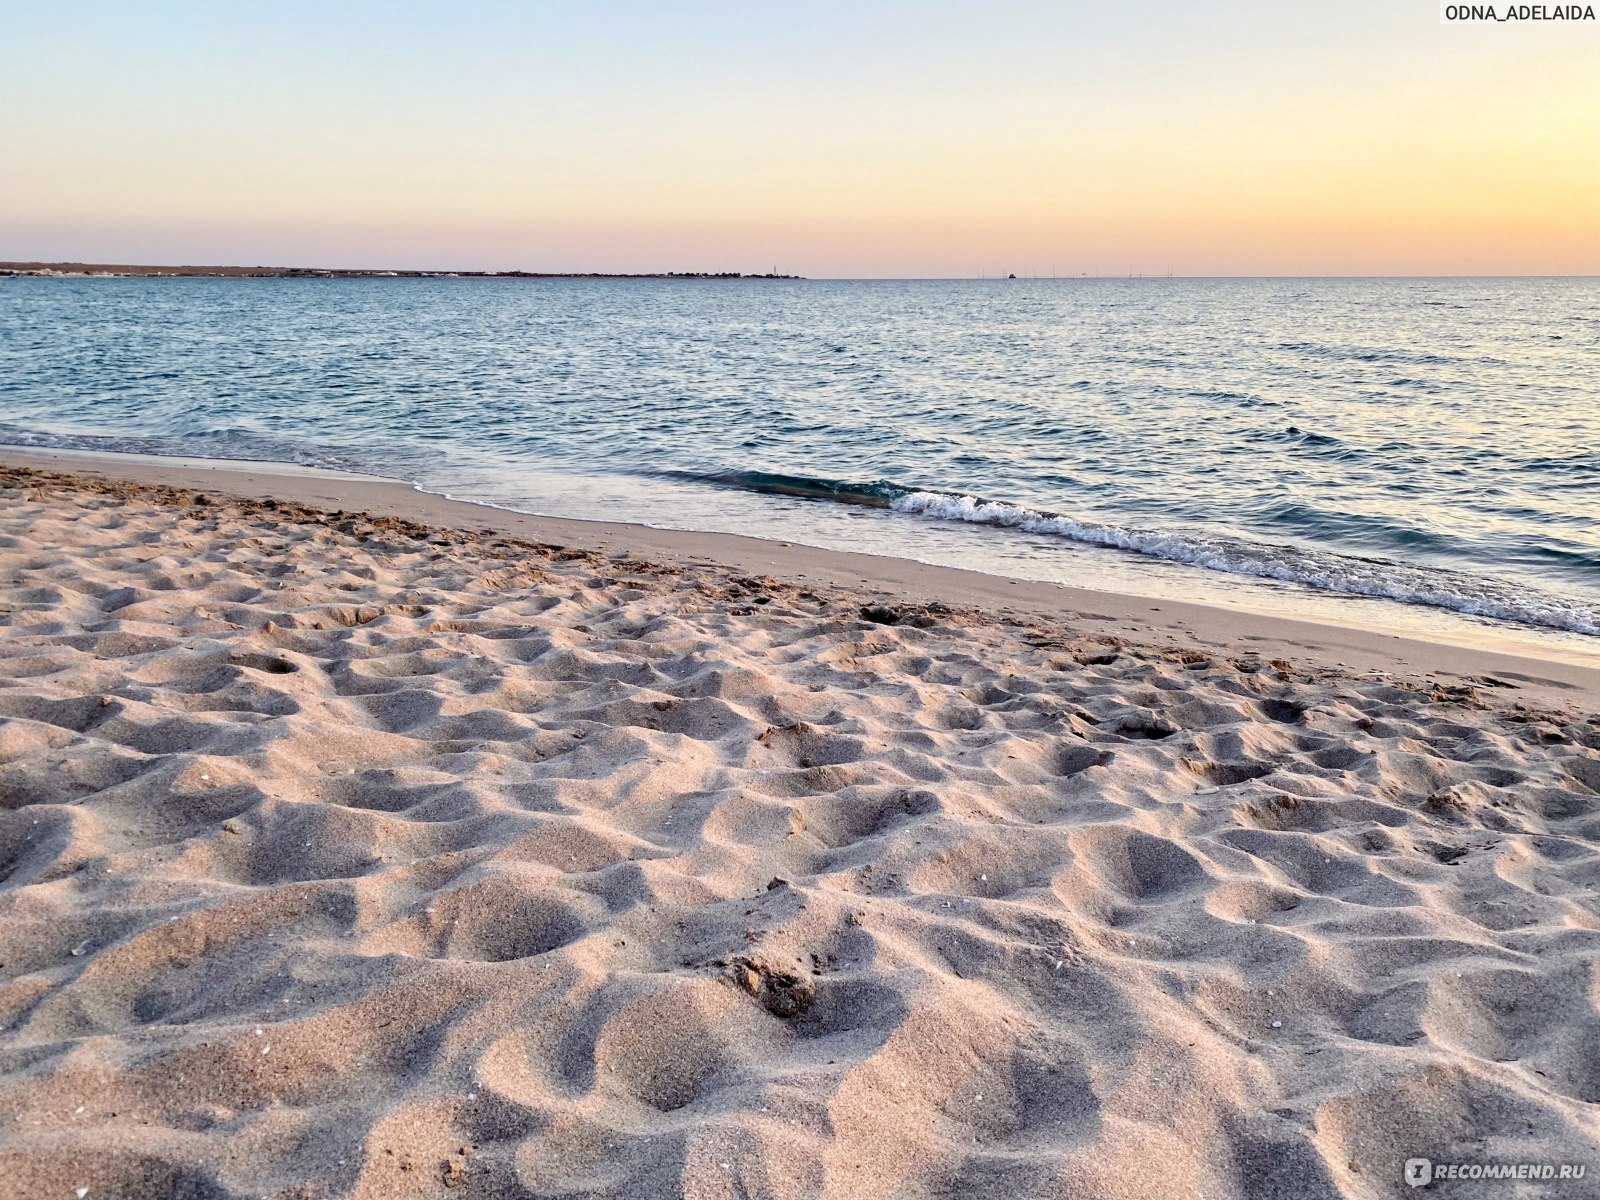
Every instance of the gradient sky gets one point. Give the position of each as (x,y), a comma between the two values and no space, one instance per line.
(851,139)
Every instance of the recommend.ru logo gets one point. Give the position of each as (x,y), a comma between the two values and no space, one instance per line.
(1420,1172)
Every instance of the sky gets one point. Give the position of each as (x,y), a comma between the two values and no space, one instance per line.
(874,138)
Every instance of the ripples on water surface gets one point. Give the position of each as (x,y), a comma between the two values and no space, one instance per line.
(1430,441)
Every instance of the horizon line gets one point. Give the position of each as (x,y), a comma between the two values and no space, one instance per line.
(34,268)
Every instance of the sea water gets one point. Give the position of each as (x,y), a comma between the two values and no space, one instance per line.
(1425,449)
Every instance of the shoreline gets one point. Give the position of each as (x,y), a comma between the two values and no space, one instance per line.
(66,270)
(1541,673)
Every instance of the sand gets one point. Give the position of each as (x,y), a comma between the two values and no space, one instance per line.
(345,856)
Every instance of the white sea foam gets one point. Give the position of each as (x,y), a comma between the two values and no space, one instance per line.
(1459,592)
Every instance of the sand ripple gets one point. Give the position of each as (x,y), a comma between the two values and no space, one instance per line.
(341,857)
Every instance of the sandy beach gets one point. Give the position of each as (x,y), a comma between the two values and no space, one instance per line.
(356,843)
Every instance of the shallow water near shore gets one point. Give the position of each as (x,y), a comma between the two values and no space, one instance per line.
(1415,452)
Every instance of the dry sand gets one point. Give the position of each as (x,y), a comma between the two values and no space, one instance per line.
(344,856)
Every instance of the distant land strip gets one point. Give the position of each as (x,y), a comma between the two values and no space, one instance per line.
(113,270)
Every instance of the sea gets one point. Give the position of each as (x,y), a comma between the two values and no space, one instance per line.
(1417,454)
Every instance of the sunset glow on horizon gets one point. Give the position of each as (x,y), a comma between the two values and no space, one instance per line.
(820,139)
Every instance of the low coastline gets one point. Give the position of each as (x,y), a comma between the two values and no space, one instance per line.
(356,842)
(73,270)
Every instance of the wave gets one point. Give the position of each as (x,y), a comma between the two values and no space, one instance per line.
(878,494)
(1433,587)
(1379,354)
(221,445)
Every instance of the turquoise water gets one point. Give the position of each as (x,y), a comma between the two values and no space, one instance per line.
(1432,443)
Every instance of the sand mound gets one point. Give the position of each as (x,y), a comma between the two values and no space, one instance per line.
(342,857)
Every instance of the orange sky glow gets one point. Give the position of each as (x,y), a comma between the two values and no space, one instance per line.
(880,140)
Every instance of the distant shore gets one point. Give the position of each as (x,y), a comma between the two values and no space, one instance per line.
(116,270)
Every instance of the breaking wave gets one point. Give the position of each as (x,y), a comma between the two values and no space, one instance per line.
(1457,591)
